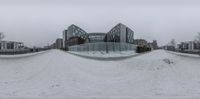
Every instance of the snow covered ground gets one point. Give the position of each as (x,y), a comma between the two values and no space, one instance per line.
(103,54)
(153,75)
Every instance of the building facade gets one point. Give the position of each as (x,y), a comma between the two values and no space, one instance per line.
(75,41)
(120,33)
(59,43)
(11,45)
(96,37)
(74,35)
(141,42)
(64,38)
(169,47)
(72,32)
(189,46)
(154,44)
(75,31)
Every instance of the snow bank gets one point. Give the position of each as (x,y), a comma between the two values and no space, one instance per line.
(155,75)
(102,54)
(21,55)
(185,54)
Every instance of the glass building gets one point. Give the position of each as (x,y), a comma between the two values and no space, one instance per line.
(119,38)
(120,33)
(96,37)
(72,35)
(75,31)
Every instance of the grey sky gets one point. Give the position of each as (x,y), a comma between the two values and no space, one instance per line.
(39,22)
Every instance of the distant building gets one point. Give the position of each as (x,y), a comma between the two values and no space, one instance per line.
(140,42)
(150,45)
(64,38)
(59,43)
(154,44)
(169,47)
(11,45)
(196,46)
(52,46)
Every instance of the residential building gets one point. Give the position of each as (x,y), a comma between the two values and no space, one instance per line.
(11,45)
(189,46)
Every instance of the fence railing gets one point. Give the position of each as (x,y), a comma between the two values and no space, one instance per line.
(103,46)
(20,51)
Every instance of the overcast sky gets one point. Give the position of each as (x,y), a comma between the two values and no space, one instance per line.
(40,22)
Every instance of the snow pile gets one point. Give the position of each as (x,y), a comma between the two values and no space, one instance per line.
(56,73)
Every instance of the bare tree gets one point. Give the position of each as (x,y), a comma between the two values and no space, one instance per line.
(198,40)
(198,36)
(173,42)
(2,36)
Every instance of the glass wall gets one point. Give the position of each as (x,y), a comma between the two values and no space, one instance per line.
(96,37)
(103,46)
(75,31)
(120,33)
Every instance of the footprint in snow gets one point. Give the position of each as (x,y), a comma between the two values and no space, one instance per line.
(168,61)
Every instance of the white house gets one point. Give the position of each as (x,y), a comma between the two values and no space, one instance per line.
(11,45)
(190,46)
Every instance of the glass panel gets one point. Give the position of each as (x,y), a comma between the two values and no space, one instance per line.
(103,46)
